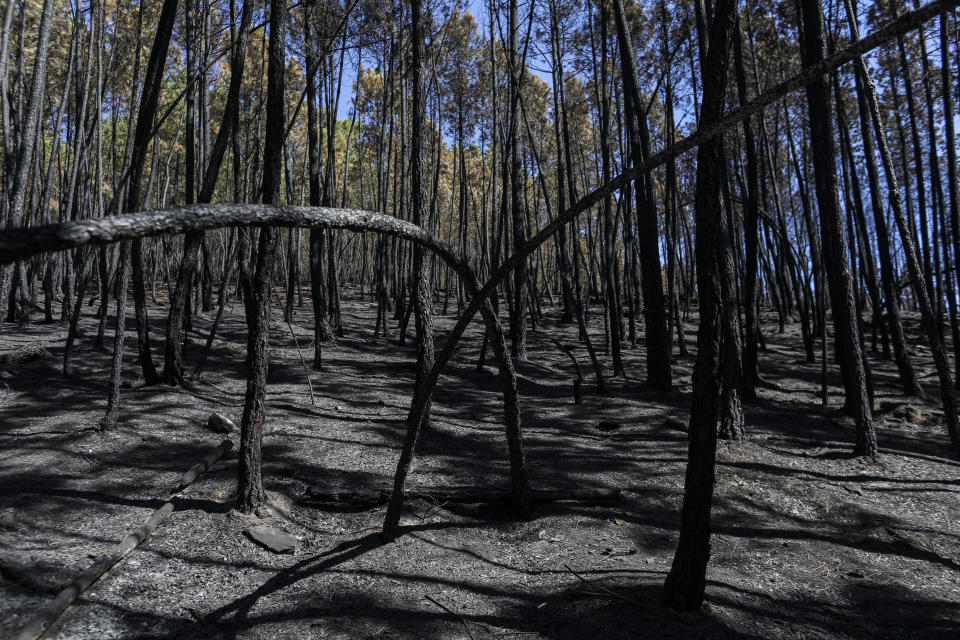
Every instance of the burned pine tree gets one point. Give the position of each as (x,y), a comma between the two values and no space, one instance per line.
(638,168)
(686,581)
(250,494)
(847,335)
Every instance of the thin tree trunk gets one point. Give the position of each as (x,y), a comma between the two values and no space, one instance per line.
(928,318)
(846,325)
(250,493)
(421,284)
(24,155)
(685,584)
(654,305)
(179,312)
(751,211)
(518,319)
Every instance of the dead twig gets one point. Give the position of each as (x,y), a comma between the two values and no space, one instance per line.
(606,591)
(453,613)
(306,371)
(56,608)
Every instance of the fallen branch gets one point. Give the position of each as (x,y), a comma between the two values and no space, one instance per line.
(22,355)
(603,589)
(453,613)
(56,608)
(568,350)
(306,371)
(198,469)
(461,495)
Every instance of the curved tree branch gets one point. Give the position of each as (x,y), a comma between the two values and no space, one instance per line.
(21,243)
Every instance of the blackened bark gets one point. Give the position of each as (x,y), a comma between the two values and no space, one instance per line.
(83,277)
(908,377)
(330,197)
(55,260)
(144,353)
(563,249)
(116,367)
(27,147)
(751,212)
(928,317)
(613,306)
(671,201)
(846,325)
(250,494)
(321,328)
(518,315)
(731,412)
(654,303)
(946,86)
(685,584)
(421,284)
(142,135)
(180,297)
(153,83)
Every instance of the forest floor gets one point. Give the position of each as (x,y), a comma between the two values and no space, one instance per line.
(808,542)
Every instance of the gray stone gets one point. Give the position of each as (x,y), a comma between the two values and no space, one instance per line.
(273,539)
(220,424)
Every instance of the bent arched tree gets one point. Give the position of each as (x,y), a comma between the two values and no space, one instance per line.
(22,243)
(706,132)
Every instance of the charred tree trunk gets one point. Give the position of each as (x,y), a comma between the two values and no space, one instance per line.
(928,317)
(654,305)
(250,494)
(518,313)
(846,325)
(150,97)
(17,196)
(180,296)
(421,282)
(751,211)
(685,584)
(908,377)
(321,328)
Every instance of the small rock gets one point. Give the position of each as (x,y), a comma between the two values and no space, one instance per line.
(852,488)
(673,423)
(220,424)
(273,539)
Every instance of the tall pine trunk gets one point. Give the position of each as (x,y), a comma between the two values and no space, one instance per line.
(845,320)
(250,494)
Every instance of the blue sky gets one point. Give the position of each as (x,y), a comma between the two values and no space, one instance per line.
(479,10)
